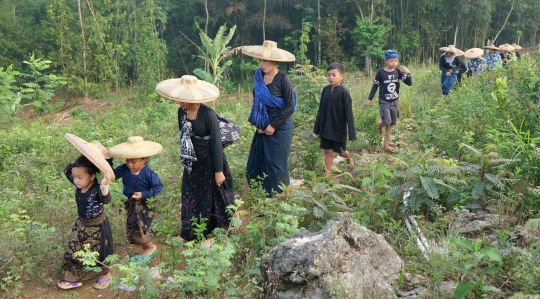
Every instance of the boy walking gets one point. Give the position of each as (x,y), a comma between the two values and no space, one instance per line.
(334,117)
(388,79)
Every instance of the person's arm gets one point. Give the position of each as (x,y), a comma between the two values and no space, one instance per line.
(216,146)
(442,64)
(349,114)
(405,75)
(67,172)
(155,184)
(288,97)
(105,195)
(376,84)
(316,128)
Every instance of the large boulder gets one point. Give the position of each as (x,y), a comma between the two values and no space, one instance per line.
(344,259)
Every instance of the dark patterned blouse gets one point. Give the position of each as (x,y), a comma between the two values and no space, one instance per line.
(91,203)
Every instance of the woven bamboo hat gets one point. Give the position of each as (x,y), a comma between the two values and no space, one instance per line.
(135,147)
(474,53)
(451,49)
(517,47)
(94,151)
(187,89)
(506,48)
(492,47)
(268,51)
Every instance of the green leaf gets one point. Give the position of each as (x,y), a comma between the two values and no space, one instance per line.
(489,270)
(430,187)
(477,244)
(463,289)
(462,269)
(493,254)
(486,289)
(442,183)
(494,179)
(366,181)
(478,190)
(463,243)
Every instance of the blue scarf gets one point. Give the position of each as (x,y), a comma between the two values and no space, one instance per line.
(259,115)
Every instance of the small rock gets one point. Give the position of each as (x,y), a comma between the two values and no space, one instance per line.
(416,293)
(467,222)
(415,279)
(445,289)
(154,273)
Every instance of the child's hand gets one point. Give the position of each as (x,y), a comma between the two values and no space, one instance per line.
(367,103)
(404,69)
(317,135)
(220,178)
(137,196)
(106,179)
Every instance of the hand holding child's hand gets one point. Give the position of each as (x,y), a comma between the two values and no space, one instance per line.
(367,103)
(137,196)
(404,69)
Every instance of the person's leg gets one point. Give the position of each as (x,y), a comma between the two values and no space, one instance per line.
(347,155)
(386,121)
(387,131)
(148,248)
(379,126)
(328,160)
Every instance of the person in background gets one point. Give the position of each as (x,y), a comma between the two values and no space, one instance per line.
(492,57)
(450,65)
(475,64)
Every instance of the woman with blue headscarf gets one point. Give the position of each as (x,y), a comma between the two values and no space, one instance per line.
(449,64)
(274,102)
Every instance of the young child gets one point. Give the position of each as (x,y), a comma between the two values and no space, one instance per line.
(334,117)
(388,79)
(140,184)
(92,226)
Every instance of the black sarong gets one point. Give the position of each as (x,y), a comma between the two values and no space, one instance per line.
(201,197)
(94,231)
(139,219)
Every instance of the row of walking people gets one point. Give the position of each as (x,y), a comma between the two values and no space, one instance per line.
(453,68)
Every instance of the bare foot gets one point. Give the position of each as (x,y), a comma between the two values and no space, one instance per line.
(379,126)
(351,162)
(149,251)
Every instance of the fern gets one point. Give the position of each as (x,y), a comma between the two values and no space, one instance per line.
(494,179)
(429,185)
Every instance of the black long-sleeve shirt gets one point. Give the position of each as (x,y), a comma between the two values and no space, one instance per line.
(281,87)
(389,83)
(445,66)
(335,115)
(206,123)
(90,203)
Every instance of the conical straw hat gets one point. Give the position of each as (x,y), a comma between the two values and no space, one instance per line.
(268,51)
(517,47)
(135,147)
(506,48)
(474,53)
(492,47)
(187,89)
(94,151)
(451,49)
(459,52)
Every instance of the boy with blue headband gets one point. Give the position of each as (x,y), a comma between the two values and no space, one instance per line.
(387,79)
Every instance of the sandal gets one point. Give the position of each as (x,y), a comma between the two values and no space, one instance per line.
(102,283)
(71,284)
(143,259)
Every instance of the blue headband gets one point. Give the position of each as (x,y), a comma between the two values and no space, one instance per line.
(389,54)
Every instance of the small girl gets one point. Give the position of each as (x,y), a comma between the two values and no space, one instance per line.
(92,226)
(140,184)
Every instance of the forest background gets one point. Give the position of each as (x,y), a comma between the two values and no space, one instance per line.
(112,44)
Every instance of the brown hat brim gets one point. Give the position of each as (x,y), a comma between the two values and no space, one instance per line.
(92,152)
(187,89)
(135,147)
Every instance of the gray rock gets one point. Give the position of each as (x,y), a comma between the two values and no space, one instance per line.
(414,294)
(445,289)
(524,237)
(415,279)
(344,259)
(467,222)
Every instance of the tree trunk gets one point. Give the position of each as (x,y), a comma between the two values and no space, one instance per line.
(264,21)
(206,66)
(368,65)
(504,24)
(84,49)
(319,32)
(455,35)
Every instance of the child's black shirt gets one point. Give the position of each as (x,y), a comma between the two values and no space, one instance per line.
(335,115)
(389,83)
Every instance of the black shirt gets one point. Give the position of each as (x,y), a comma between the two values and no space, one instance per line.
(281,87)
(335,115)
(445,66)
(90,203)
(206,123)
(389,83)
